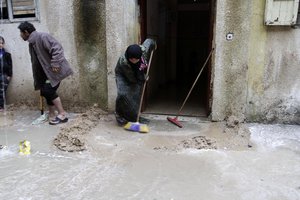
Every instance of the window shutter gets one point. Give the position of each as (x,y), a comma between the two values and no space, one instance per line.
(281,12)
(23,8)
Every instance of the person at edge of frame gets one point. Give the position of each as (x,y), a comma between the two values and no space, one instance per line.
(6,72)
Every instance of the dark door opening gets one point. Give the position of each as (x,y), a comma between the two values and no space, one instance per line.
(182,29)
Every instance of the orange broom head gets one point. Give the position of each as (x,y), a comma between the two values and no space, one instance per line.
(136,127)
(174,121)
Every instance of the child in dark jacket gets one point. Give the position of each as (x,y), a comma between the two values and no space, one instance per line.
(5,72)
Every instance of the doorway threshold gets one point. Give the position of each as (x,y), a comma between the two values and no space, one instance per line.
(183,118)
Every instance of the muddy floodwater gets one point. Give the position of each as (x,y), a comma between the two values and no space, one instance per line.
(203,160)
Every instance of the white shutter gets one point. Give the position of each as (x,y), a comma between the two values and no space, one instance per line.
(281,12)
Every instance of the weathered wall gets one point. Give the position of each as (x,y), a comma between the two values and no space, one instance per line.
(256,75)
(274,76)
(90,28)
(231,58)
(280,101)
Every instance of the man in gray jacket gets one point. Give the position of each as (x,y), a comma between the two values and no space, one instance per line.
(49,67)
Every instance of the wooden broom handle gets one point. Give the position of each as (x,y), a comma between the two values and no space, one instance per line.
(41,105)
(144,87)
(195,81)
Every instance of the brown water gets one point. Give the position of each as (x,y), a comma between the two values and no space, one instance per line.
(126,165)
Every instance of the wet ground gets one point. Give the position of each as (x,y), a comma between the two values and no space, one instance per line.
(203,160)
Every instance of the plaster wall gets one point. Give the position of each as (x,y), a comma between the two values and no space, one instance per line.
(256,75)
(90,29)
(274,91)
(231,58)
(280,101)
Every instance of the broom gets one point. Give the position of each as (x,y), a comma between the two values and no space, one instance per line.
(175,119)
(44,117)
(137,126)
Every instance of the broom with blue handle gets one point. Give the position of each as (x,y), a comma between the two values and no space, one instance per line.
(137,126)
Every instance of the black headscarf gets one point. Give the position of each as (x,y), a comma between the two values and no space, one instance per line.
(134,51)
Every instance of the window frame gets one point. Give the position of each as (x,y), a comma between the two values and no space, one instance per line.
(11,18)
(297,24)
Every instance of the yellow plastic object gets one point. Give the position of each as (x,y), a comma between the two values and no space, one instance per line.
(136,127)
(144,128)
(24,147)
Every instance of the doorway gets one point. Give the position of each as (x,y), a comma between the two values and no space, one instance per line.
(183,31)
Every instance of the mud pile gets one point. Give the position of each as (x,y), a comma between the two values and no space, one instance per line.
(237,134)
(71,136)
(197,142)
(233,134)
